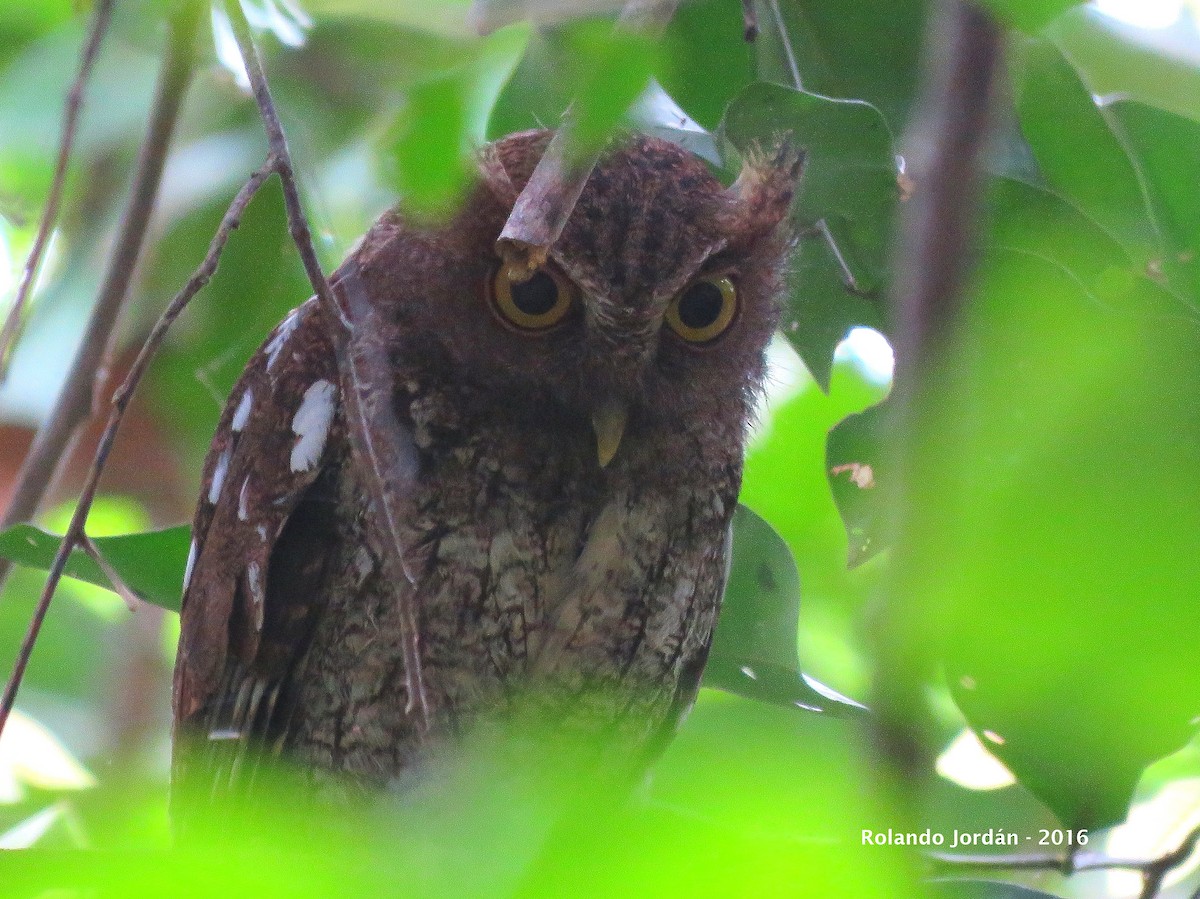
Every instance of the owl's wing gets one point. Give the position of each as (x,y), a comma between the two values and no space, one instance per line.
(261,536)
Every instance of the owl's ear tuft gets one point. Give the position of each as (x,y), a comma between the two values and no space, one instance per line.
(763,191)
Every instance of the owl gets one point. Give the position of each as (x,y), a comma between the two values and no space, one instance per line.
(577,435)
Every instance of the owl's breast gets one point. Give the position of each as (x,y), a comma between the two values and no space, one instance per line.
(504,505)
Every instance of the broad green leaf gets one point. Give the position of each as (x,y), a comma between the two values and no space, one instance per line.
(1081,151)
(441,121)
(1167,147)
(754,649)
(843,213)
(866,51)
(706,62)
(150,563)
(1116,58)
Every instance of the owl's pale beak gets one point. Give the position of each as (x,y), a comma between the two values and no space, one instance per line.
(608,421)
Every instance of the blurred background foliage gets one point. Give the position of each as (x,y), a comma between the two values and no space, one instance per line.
(1049,564)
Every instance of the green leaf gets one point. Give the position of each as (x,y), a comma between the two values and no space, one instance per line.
(433,137)
(869,51)
(1051,539)
(844,211)
(754,648)
(706,62)
(1081,151)
(151,563)
(1029,15)
(1115,58)
(859,475)
(1167,147)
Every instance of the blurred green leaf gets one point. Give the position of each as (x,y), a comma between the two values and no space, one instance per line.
(1156,67)
(1168,148)
(433,138)
(1029,15)
(150,563)
(586,63)
(706,62)
(843,212)
(1054,532)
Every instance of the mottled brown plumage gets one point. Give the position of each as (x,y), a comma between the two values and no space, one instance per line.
(535,569)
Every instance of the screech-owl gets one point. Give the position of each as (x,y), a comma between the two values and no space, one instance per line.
(580,438)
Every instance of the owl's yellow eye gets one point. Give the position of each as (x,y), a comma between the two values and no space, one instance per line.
(535,304)
(703,310)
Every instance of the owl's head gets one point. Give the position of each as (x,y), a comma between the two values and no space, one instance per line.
(652,312)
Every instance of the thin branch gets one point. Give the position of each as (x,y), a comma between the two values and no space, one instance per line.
(75,530)
(74,103)
(132,601)
(374,435)
(785,41)
(1153,871)
(76,402)
(297,222)
(385,454)
(934,256)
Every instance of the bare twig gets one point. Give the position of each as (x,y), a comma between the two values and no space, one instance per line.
(122,589)
(548,198)
(374,437)
(75,403)
(933,259)
(785,41)
(101,16)
(75,530)
(297,222)
(1153,871)
(382,451)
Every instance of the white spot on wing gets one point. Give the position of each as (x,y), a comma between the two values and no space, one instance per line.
(242,511)
(218,477)
(311,425)
(191,562)
(262,532)
(242,415)
(276,344)
(254,576)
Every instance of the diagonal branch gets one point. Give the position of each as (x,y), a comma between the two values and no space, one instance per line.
(377,445)
(934,256)
(75,403)
(87,60)
(75,530)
